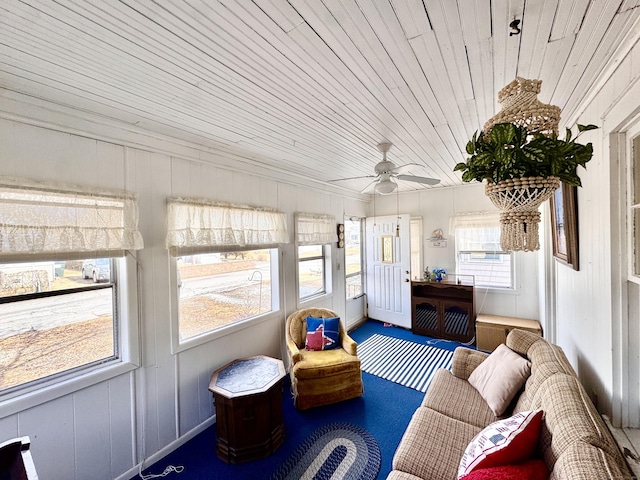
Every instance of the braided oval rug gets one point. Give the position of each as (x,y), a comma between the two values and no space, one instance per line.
(338,451)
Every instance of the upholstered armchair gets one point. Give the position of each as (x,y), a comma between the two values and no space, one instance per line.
(325,376)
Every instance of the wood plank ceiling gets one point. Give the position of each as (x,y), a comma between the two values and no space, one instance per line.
(309,87)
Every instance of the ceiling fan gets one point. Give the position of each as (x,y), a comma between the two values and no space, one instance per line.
(387,174)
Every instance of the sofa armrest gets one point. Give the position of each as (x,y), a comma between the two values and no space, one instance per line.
(465,360)
(349,345)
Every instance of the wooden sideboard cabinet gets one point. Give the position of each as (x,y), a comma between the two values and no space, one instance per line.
(443,310)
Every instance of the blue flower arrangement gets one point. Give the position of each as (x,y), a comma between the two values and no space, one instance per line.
(439,272)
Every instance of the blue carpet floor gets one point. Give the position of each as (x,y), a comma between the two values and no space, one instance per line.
(384,411)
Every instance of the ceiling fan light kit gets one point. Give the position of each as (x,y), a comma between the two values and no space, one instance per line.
(385,187)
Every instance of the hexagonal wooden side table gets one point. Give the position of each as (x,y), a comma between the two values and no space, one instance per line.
(248,399)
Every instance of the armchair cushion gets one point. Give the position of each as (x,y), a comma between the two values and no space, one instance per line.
(323,333)
(325,364)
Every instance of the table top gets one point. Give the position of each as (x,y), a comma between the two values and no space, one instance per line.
(247,376)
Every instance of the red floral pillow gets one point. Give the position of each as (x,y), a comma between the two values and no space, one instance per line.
(529,470)
(505,442)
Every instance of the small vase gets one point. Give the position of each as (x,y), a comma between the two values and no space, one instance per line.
(438,277)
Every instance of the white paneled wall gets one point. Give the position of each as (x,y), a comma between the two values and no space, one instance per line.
(103,431)
(597,307)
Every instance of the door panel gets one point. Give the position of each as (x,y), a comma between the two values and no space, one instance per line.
(388,269)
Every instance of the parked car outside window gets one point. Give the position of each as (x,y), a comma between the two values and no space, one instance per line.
(98,269)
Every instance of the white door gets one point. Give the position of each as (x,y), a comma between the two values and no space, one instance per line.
(388,269)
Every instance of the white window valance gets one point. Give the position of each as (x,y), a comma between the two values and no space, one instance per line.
(476,231)
(49,219)
(194,223)
(315,229)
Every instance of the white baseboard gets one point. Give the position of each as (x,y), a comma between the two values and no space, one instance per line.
(159,455)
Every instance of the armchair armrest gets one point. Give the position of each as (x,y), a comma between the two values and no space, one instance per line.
(465,361)
(349,345)
(294,351)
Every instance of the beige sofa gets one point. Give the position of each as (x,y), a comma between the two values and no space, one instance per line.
(574,443)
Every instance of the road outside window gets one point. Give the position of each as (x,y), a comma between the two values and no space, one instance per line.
(311,274)
(218,289)
(55,317)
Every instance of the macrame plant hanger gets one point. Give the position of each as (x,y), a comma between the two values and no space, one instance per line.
(519,198)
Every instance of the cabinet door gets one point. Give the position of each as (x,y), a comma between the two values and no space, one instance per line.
(457,320)
(425,316)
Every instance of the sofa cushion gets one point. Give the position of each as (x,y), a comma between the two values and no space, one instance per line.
(432,445)
(500,377)
(521,340)
(529,470)
(507,441)
(468,407)
(582,461)
(400,475)
(465,361)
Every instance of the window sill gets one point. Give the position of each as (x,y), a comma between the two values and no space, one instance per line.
(221,332)
(47,391)
(312,301)
(500,291)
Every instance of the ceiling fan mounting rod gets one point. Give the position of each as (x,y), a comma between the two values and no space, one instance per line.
(384,147)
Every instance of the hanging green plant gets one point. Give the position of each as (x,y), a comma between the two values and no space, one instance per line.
(510,151)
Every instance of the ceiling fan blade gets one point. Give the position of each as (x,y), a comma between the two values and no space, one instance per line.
(352,178)
(405,168)
(414,178)
(370,188)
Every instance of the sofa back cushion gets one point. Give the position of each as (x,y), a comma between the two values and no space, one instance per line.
(570,417)
(546,360)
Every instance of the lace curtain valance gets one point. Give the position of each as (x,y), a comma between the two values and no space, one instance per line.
(194,223)
(476,231)
(41,218)
(315,229)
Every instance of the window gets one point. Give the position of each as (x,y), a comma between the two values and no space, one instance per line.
(478,252)
(67,298)
(226,260)
(58,316)
(314,233)
(218,289)
(353,256)
(311,271)
(416,248)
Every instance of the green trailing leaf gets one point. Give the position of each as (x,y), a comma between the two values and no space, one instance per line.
(471,148)
(460,166)
(467,177)
(511,151)
(586,128)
